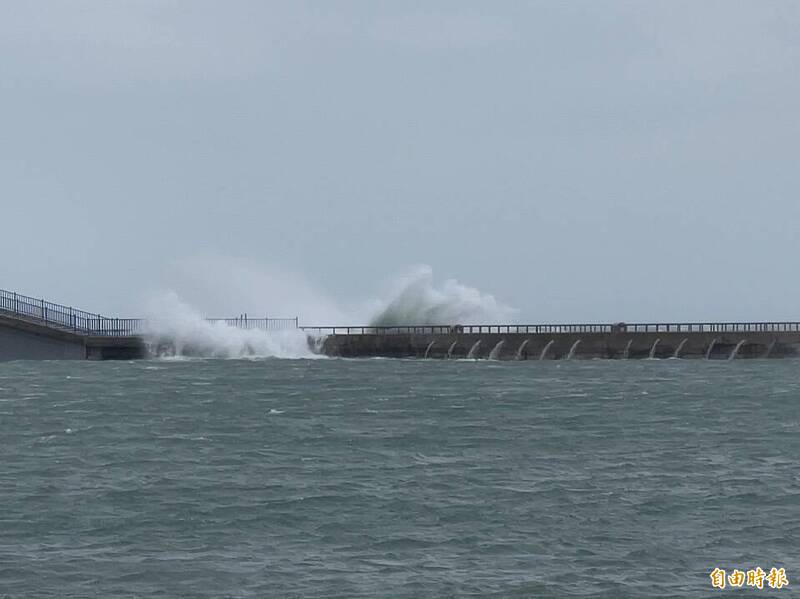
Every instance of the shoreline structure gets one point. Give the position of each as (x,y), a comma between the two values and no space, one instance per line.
(39,330)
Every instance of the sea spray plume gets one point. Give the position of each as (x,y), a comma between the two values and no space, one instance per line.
(416,301)
(175,329)
(217,284)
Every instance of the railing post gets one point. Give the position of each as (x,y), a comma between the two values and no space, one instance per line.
(44,312)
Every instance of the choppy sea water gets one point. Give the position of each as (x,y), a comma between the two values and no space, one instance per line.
(389,478)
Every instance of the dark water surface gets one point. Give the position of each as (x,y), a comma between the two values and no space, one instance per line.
(334,478)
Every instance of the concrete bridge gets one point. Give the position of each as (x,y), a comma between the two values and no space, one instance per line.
(35,329)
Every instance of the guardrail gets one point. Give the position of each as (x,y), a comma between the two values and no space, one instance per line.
(65,317)
(85,323)
(692,327)
(261,324)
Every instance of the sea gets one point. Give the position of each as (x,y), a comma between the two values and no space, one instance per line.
(397,478)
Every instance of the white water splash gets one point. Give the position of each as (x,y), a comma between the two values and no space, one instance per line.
(416,300)
(175,329)
(223,285)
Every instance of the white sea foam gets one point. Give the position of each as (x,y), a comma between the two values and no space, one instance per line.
(175,330)
(416,300)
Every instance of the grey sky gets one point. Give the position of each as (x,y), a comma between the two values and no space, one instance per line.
(582,161)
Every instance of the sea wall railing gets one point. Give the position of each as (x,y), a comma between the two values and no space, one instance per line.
(65,317)
(261,324)
(690,327)
(87,323)
(79,321)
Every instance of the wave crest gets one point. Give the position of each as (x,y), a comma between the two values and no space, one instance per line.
(417,301)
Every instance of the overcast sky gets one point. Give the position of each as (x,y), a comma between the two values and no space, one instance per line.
(582,161)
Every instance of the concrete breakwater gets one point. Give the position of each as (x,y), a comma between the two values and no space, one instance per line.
(563,346)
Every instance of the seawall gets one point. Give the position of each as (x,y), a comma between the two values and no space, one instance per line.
(23,337)
(531,346)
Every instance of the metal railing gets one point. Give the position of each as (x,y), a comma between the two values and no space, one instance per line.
(715,327)
(686,327)
(261,324)
(85,323)
(65,317)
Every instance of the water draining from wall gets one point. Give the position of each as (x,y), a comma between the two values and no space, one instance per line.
(493,355)
(711,347)
(736,349)
(450,349)
(572,349)
(626,354)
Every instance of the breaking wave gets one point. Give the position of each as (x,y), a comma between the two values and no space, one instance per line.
(177,330)
(417,301)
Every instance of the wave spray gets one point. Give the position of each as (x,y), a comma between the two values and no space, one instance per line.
(417,301)
(175,329)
